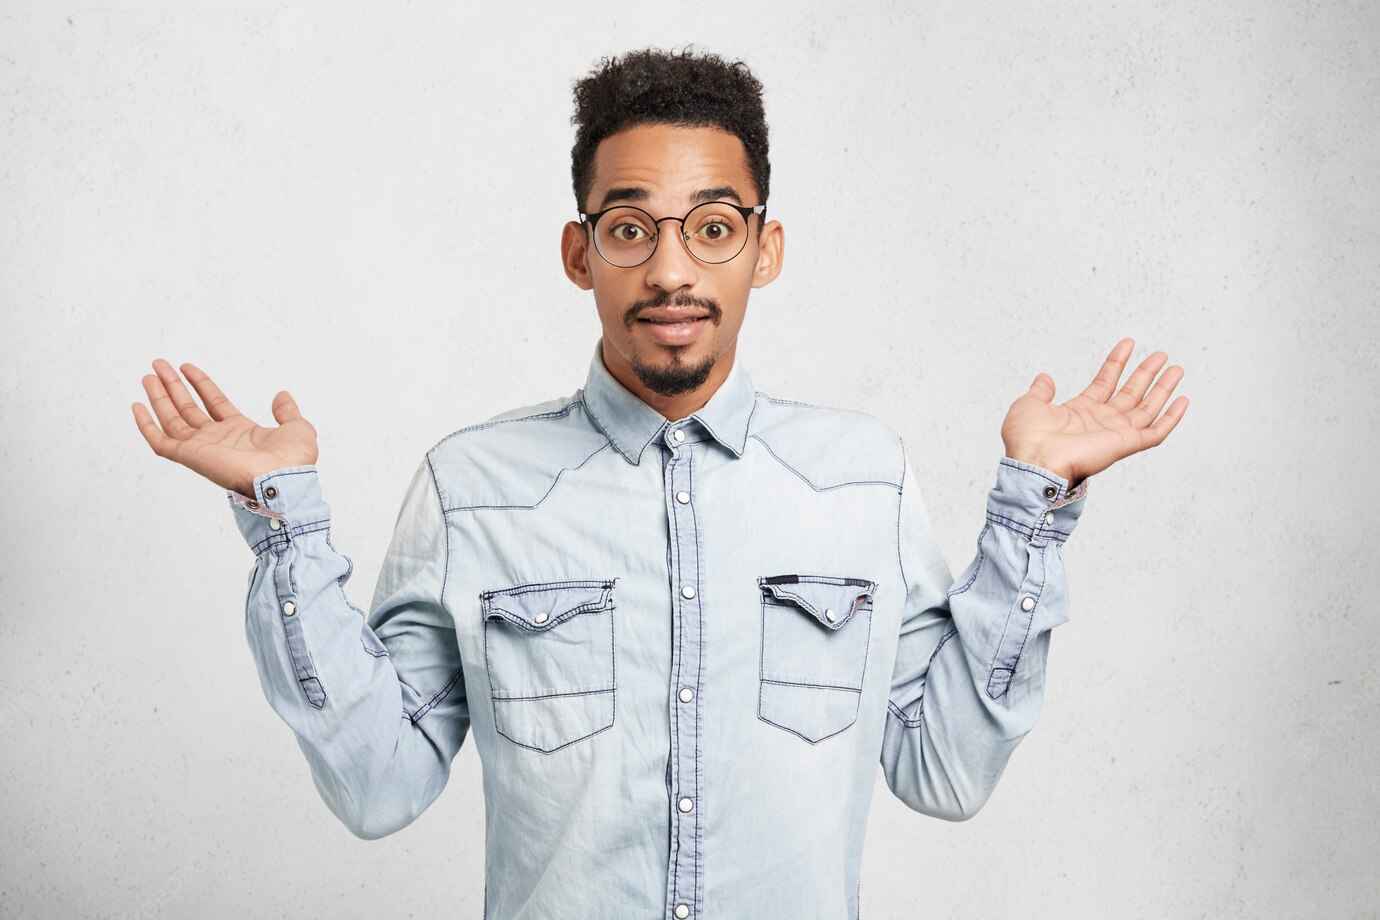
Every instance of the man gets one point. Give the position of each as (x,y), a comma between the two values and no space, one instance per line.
(685,620)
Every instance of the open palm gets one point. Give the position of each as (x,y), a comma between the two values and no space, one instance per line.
(220,443)
(1100,425)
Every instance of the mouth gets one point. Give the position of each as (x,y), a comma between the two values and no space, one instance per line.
(674,330)
(673,322)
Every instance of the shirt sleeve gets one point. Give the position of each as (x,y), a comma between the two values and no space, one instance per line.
(970,663)
(377,702)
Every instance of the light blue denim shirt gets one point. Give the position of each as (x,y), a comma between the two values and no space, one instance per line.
(682,648)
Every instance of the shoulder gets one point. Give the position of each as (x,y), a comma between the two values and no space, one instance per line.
(512,459)
(828,446)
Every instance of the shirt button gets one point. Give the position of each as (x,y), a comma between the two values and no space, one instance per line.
(687,591)
(678,435)
(682,497)
(686,804)
(541,617)
(1050,491)
(1027,602)
(289,608)
(830,615)
(252,505)
(686,694)
(1049,517)
(682,911)
(274,523)
(271,492)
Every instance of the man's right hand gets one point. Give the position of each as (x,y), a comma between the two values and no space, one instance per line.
(220,443)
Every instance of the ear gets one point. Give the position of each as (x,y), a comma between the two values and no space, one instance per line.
(771,249)
(575,255)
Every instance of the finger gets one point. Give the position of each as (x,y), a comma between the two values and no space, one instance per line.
(285,408)
(1136,385)
(1156,433)
(1042,388)
(162,445)
(217,405)
(186,406)
(1104,383)
(1150,406)
(172,421)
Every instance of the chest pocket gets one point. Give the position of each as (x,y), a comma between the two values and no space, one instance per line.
(549,651)
(815,631)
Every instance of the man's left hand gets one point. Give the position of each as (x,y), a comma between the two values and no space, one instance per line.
(1095,429)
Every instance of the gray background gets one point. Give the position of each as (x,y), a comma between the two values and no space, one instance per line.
(365,209)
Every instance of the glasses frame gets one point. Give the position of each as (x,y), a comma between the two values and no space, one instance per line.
(591,220)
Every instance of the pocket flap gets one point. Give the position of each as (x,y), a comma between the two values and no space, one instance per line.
(830,600)
(541,606)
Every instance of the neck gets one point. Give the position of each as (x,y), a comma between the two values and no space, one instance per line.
(675,407)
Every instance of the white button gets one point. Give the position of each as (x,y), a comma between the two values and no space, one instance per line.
(274,523)
(830,615)
(686,804)
(678,435)
(289,608)
(541,617)
(682,497)
(1049,517)
(687,591)
(682,911)
(686,694)
(1027,603)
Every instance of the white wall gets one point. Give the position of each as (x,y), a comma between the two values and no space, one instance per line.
(285,194)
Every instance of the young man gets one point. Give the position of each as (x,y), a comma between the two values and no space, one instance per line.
(683,619)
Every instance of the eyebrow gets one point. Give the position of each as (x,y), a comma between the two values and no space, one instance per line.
(637,193)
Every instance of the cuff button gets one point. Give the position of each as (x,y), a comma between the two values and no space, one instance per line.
(274,523)
(1051,491)
(252,505)
(271,492)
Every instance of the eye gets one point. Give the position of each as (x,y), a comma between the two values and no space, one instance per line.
(715,230)
(626,232)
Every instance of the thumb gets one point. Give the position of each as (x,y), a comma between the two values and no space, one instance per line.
(285,408)
(1042,388)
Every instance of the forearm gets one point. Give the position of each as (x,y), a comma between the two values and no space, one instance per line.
(970,676)
(375,757)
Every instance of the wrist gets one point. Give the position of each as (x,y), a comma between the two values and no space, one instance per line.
(1053,466)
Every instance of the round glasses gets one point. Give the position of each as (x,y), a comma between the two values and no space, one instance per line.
(714,232)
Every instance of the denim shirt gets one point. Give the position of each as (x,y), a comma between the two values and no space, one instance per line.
(681,648)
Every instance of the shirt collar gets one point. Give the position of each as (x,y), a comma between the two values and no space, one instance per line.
(630,423)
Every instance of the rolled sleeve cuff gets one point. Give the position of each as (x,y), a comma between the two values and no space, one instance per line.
(286,503)
(1034,501)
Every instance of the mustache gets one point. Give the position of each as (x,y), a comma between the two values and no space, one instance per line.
(681,299)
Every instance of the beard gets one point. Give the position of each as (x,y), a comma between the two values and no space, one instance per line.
(675,378)
(678,377)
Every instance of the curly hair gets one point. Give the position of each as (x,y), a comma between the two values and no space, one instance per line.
(684,88)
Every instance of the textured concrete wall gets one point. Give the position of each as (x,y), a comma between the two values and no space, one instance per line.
(287,194)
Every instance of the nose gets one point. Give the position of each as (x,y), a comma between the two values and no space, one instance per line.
(671,266)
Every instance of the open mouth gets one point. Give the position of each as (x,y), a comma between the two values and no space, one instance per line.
(682,322)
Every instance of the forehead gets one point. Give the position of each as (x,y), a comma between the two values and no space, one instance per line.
(671,162)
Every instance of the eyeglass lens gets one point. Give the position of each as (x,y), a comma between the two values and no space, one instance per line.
(714,232)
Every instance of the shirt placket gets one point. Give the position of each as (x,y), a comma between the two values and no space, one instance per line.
(685,886)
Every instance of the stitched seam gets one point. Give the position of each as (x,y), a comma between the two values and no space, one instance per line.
(897,711)
(608,433)
(806,480)
(1007,461)
(440,695)
(548,492)
(1026,530)
(977,567)
(479,426)
(287,533)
